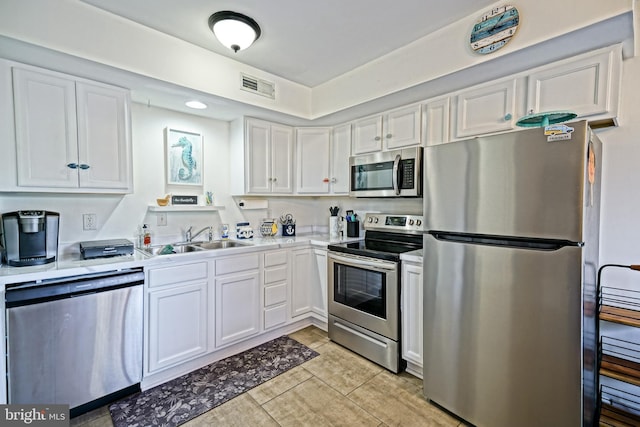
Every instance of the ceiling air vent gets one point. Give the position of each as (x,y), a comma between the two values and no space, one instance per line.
(261,87)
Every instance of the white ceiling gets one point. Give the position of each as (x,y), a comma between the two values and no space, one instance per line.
(305,41)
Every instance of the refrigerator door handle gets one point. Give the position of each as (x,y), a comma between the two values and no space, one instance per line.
(506,241)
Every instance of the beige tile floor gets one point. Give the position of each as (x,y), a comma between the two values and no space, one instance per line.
(337,388)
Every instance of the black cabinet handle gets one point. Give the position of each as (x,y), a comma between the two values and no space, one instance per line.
(84,166)
(72,165)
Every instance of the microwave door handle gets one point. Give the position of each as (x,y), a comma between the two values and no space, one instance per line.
(396,171)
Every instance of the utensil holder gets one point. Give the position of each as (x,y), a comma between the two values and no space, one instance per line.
(353,229)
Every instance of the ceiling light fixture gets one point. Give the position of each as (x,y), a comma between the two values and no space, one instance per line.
(196,104)
(234,30)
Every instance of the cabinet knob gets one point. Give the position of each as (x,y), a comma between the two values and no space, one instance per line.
(508,117)
(377,138)
(84,166)
(72,165)
(325,180)
(333,180)
(275,179)
(389,136)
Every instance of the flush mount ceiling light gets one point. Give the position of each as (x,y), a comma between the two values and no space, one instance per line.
(196,104)
(533,120)
(234,30)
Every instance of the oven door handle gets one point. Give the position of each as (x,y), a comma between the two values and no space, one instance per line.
(376,265)
(396,177)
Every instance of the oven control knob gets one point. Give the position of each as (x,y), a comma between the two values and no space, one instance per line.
(411,222)
(370,219)
(375,220)
(418,222)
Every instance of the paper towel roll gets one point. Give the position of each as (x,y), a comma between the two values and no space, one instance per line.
(253,204)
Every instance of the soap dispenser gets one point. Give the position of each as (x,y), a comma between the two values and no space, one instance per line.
(146,235)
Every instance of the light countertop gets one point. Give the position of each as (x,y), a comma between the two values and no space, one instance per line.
(71,264)
(413,256)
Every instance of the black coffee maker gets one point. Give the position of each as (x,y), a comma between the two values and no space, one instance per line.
(29,237)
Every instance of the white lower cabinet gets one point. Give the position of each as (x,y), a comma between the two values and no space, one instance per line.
(300,282)
(237,298)
(178,319)
(276,279)
(319,282)
(412,317)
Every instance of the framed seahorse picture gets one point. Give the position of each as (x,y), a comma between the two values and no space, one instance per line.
(183,157)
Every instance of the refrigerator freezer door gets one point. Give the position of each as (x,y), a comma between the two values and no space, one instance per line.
(514,184)
(502,333)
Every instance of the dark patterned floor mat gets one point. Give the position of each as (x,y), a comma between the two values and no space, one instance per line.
(184,398)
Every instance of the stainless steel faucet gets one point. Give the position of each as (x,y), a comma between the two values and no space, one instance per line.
(189,237)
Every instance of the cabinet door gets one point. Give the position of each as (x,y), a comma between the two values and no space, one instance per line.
(177,324)
(258,152)
(281,159)
(339,165)
(584,86)
(237,307)
(436,121)
(367,135)
(402,127)
(312,155)
(485,109)
(46,129)
(103,140)
(300,283)
(412,313)
(319,283)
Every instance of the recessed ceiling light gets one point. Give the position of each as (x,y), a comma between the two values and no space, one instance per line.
(196,104)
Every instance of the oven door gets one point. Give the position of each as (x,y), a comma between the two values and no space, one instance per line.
(365,291)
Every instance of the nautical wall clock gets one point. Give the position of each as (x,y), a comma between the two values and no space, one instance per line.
(494,29)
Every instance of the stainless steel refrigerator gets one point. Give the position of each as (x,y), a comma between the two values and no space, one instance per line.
(510,261)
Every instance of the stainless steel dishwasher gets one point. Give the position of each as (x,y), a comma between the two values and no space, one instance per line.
(75,340)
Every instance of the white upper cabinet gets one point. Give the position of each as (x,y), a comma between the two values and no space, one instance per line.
(367,135)
(435,116)
(71,135)
(322,160)
(485,109)
(339,165)
(269,157)
(312,155)
(587,85)
(394,129)
(102,136)
(401,127)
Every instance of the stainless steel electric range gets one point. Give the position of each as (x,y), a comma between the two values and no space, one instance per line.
(365,286)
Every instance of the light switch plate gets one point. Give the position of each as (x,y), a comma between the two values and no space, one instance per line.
(161,218)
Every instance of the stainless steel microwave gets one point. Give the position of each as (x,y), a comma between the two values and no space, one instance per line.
(396,173)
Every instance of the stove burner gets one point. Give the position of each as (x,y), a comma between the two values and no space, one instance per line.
(381,245)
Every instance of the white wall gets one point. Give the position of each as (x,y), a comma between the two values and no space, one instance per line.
(620,211)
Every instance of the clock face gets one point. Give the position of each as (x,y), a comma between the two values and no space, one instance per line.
(494,29)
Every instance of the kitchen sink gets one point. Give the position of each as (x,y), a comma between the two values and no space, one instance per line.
(175,248)
(219,244)
(185,247)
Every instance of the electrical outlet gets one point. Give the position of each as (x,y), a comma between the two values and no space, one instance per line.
(161,218)
(89,221)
